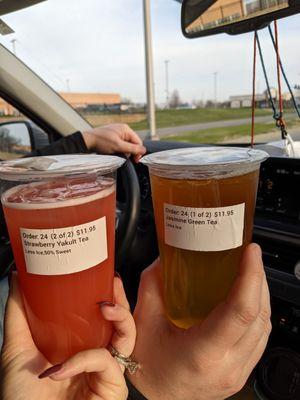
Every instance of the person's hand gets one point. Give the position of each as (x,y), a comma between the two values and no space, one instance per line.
(89,375)
(114,138)
(209,361)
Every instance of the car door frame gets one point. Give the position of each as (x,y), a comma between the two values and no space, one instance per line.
(32,96)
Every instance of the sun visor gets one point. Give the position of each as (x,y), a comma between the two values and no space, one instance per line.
(8,6)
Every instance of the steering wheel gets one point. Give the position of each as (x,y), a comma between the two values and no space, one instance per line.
(128,210)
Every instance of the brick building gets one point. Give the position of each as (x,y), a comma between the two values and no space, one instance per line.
(223,12)
(92,101)
(7,109)
(80,101)
(262,100)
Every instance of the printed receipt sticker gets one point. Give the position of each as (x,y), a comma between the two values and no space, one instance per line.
(65,250)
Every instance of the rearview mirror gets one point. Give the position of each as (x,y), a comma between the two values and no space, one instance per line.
(209,17)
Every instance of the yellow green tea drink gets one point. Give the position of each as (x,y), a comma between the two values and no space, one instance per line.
(204,202)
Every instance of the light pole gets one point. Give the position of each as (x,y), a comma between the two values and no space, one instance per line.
(215,88)
(13,42)
(68,84)
(149,70)
(167,82)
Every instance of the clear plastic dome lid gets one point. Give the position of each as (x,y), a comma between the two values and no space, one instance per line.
(45,167)
(204,161)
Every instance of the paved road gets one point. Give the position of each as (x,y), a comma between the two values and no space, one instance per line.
(266,137)
(177,130)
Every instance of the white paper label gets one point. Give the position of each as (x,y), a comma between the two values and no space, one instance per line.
(64,250)
(204,229)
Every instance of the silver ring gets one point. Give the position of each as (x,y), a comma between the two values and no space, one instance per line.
(127,362)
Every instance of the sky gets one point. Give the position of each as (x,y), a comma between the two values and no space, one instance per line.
(98,46)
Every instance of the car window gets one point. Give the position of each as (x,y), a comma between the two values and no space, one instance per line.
(81,52)
(92,53)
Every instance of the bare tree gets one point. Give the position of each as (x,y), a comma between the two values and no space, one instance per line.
(175,100)
(198,103)
(7,142)
(126,100)
(209,104)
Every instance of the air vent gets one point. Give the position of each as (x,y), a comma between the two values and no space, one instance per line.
(278,255)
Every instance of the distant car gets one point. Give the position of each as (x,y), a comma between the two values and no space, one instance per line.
(186,106)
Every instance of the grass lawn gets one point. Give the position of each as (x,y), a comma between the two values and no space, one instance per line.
(167,118)
(9,156)
(218,134)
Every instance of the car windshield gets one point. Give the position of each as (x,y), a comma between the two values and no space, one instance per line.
(92,53)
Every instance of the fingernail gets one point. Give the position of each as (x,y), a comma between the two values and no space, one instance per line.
(51,371)
(117,275)
(257,249)
(106,303)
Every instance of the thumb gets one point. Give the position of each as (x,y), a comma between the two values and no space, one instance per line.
(103,368)
(124,335)
(132,148)
(231,319)
(150,298)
